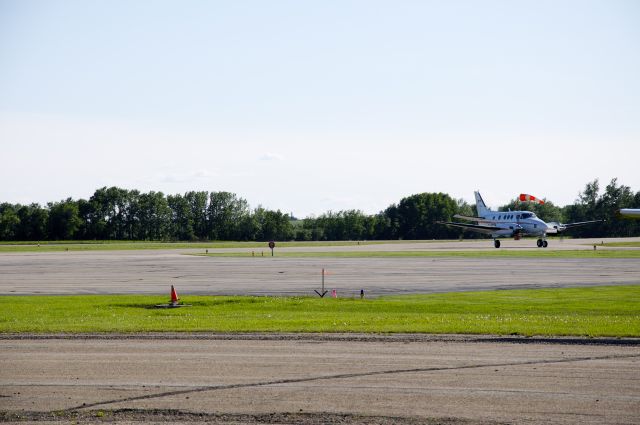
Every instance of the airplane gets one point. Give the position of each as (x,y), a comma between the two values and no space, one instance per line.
(515,224)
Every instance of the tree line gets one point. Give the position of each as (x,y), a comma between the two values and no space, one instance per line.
(120,214)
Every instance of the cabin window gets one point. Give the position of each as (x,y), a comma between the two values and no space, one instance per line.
(518,216)
(499,217)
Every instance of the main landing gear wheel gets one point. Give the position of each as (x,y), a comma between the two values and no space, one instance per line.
(539,243)
(496,243)
(544,244)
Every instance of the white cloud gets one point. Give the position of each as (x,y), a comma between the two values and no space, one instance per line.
(269,156)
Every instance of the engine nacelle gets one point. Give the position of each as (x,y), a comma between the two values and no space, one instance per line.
(555,227)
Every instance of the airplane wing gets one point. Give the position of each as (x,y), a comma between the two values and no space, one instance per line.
(473,227)
(561,227)
(580,223)
(630,212)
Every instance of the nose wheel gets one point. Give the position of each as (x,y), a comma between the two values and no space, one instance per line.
(541,243)
(496,243)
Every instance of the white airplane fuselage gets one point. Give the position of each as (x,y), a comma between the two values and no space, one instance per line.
(515,224)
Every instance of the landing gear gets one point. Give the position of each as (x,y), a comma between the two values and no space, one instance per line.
(544,244)
(541,243)
(496,243)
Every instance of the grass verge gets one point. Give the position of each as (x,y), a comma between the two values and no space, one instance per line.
(612,311)
(623,244)
(520,253)
(58,246)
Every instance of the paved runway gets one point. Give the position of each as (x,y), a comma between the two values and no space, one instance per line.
(310,378)
(314,378)
(152,272)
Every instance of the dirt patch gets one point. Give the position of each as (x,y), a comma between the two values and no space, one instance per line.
(177,416)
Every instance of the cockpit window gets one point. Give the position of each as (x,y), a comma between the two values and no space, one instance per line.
(528,215)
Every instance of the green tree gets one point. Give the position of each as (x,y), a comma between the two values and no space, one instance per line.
(64,220)
(312,230)
(111,213)
(33,222)
(198,204)
(385,224)
(417,216)
(154,217)
(614,198)
(86,213)
(9,222)
(591,205)
(341,225)
(248,228)
(273,225)
(181,218)
(225,213)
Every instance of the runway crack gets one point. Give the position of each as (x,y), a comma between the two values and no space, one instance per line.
(343,376)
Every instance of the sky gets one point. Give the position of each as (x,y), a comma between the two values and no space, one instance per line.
(311,106)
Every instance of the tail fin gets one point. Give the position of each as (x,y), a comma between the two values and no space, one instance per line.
(481,207)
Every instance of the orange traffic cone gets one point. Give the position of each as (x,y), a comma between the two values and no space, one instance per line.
(174,296)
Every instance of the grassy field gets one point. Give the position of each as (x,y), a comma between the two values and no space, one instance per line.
(601,311)
(520,253)
(623,244)
(58,246)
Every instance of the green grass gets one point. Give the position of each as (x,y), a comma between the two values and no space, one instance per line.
(623,244)
(57,246)
(520,253)
(599,311)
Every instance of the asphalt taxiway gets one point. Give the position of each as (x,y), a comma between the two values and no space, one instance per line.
(318,378)
(152,272)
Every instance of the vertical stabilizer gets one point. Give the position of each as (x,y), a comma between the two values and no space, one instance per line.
(481,207)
